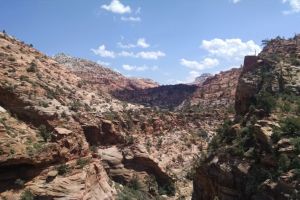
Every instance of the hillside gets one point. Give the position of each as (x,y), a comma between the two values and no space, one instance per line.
(103,77)
(70,139)
(256,156)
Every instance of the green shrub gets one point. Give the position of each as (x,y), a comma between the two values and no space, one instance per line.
(295,163)
(276,136)
(265,101)
(283,162)
(291,126)
(81,162)
(159,143)
(19,182)
(129,139)
(75,105)
(93,149)
(135,183)
(167,189)
(24,78)
(46,135)
(32,68)
(27,195)
(286,107)
(296,143)
(127,193)
(63,169)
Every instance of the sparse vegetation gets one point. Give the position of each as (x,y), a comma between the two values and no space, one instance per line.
(27,195)
(265,101)
(32,68)
(81,162)
(63,169)
(75,105)
(19,182)
(46,135)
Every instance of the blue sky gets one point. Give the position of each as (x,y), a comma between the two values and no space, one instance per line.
(169,41)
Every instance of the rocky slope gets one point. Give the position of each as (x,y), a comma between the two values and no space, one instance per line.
(105,78)
(216,93)
(40,131)
(70,139)
(256,156)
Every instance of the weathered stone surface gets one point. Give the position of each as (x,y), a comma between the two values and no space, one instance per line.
(90,183)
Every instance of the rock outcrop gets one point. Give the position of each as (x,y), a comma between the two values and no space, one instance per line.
(252,157)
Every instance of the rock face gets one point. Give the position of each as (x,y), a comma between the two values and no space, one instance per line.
(133,162)
(202,78)
(167,96)
(252,157)
(102,134)
(216,92)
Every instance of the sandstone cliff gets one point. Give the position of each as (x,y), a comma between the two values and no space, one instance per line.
(256,156)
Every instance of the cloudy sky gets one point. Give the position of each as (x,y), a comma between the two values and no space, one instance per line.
(170,41)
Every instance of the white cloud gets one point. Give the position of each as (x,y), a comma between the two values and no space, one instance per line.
(235,1)
(127,54)
(204,64)
(142,43)
(131,19)
(151,55)
(230,48)
(116,7)
(192,76)
(139,68)
(294,4)
(103,63)
(128,67)
(101,51)
(126,46)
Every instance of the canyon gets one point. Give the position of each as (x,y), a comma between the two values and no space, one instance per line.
(73,129)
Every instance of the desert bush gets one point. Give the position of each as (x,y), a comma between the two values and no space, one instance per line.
(167,189)
(46,135)
(296,143)
(75,105)
(134,183)
(291,126)
(81,162)
(63,169)
(19,182)
(295,164)
(32,68)
(129,139)
(265,101)
(24,78)
(27,195)
(283,162)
